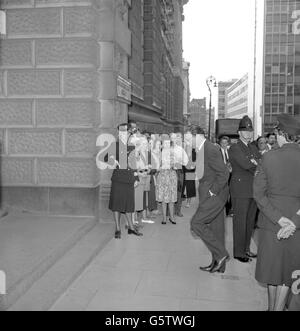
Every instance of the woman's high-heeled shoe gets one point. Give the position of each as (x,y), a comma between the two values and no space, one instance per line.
(118,235)
(135,232)
(173,222)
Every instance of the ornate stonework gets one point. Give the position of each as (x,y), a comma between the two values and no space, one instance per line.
(122,9)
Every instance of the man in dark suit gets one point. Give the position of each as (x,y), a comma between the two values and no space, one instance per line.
(208,222)
(244,158)
(224,148)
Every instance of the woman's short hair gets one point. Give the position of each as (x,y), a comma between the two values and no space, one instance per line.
(224,138)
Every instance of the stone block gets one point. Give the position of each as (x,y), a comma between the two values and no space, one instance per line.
(26,198)
(66,52)
(16,3)
(107,51)
(107,113)
(72,172)
(15,171)
(15,112)
(79,20)
(2,142)
(107,85)
(79,142)
(34,142)
(15,53)
(65,113)
(79,83)
(73,201)
(32,22)
(2,91)
(62,2)
(33,82)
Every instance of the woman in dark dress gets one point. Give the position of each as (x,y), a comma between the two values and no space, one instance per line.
(189,185)
(122,196)
(277,193)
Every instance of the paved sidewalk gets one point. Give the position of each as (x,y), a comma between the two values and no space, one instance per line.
(161,272)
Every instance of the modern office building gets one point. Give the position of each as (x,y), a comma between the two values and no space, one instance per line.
(222,87)
(237,99)
(281,60)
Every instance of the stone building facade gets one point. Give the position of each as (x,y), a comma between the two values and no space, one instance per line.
(199,113)
(71,70)
(186,91)
(63,81)
(157,80)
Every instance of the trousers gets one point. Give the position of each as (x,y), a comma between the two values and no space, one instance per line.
(244,217)
(209,224)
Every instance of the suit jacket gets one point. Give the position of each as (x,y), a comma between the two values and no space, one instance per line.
(216,174)
(243,170)
(277,187)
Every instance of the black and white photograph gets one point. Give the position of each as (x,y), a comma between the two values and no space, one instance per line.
(150,158)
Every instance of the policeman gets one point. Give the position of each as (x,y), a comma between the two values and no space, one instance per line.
(243,158)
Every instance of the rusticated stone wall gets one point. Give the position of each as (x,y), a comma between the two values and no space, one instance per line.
(59,64)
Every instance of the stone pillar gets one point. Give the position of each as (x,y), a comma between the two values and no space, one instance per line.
(114,39)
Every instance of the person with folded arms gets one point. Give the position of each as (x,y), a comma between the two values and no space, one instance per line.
(277,193)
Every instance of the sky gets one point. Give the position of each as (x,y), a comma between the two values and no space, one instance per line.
(217,40)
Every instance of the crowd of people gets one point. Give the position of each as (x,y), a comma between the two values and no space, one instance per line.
(255,182)
(159,175)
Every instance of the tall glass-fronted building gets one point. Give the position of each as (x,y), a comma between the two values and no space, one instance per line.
(281,60)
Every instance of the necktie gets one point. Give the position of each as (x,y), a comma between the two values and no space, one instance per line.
(226,157)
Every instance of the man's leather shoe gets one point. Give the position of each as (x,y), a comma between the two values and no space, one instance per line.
(135,232)
(251,255)
(243,259)
(209,268)
(220,266)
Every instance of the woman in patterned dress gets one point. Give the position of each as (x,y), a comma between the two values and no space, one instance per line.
(166,188)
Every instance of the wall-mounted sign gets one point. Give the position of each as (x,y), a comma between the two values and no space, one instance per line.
(2,22)
(124,89)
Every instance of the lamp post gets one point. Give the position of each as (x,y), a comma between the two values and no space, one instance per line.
(210,82)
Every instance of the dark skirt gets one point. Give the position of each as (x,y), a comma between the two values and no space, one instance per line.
(122,195)
(277,260)
(152,203)
(190,186)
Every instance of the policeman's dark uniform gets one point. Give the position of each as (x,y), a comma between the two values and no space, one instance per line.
(277,192)
(241,190)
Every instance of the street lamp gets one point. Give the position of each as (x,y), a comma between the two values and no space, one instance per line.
(210,82)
